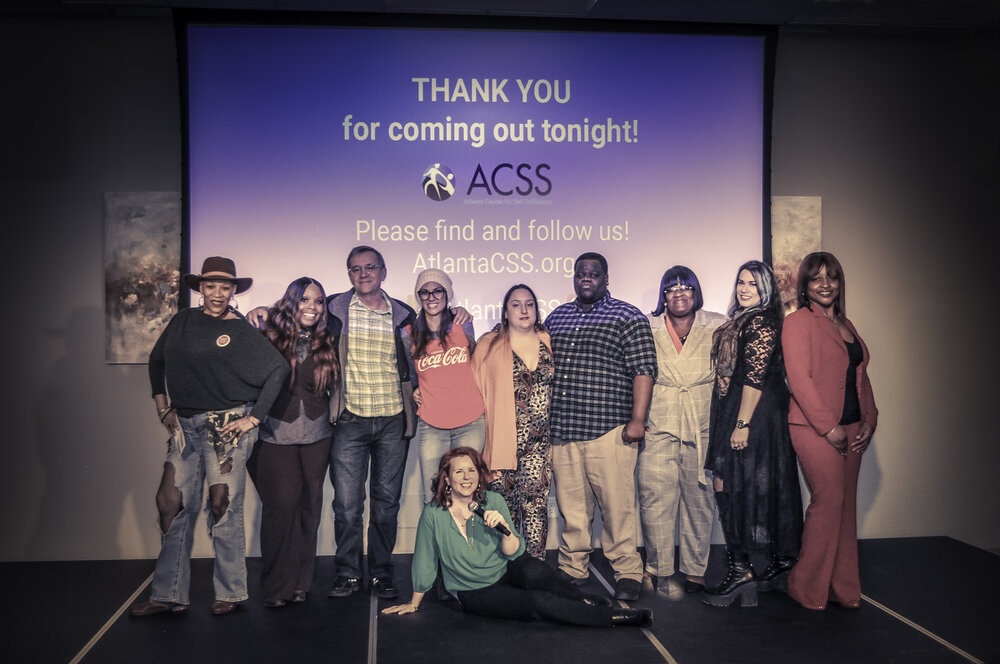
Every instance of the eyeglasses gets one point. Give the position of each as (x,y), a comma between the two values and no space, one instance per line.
(678,288)
(370,267)
(435,294)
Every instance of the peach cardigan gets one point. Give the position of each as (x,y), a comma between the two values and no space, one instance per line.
(494,371)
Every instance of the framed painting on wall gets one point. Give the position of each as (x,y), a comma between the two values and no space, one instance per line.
(142,257)
(796,230)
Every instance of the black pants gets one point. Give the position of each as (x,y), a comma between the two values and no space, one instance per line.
(289,479)
(531,590)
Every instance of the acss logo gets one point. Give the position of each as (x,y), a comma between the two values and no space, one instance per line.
(507,180)
(439,182)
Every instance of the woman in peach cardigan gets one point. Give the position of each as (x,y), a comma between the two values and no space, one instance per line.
(514,370)
(831,418)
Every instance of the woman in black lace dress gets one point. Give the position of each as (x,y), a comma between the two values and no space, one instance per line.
(750,453)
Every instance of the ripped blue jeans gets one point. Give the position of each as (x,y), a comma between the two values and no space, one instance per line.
(185,472)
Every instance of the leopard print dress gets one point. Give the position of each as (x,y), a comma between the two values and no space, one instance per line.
(526,489)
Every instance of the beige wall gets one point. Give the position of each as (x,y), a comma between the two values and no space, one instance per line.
(898,135)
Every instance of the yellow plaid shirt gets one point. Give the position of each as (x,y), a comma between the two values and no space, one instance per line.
(371,379)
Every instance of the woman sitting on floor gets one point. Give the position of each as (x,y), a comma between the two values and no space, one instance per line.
(467,529)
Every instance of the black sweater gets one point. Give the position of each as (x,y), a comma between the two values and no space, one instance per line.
(215,364)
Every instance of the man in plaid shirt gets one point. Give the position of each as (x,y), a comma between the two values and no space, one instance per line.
(605,369)
(375,415)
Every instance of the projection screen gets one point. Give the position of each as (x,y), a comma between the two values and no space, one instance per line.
(496,154)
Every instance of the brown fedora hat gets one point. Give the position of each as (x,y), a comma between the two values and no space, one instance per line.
(217,268)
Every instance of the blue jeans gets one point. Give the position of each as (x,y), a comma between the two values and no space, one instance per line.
(432,443)
(198,461)
(356,440)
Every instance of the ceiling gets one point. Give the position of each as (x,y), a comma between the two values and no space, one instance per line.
(944,16)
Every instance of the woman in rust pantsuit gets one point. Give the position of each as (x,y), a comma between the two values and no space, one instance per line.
(831,418)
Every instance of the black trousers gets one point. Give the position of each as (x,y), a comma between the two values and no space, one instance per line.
(531,590)
(289,480)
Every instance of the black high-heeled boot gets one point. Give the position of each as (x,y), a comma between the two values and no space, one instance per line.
(775,577)
(739,583)
(632,617)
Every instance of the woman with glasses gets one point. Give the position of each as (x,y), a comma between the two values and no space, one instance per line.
(674,493)
(449,405)
(515,370)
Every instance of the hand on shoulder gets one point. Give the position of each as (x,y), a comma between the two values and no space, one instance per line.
(257,317)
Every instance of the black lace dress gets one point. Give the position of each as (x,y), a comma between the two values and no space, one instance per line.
(760,506)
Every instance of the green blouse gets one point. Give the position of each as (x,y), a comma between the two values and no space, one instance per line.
(464,565)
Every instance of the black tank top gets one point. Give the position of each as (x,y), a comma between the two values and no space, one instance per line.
(852,406)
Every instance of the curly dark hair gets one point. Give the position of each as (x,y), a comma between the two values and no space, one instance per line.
(441,495)
(283,330)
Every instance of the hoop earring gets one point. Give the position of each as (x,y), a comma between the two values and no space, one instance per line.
(201,302)
(447,490)
(234,304)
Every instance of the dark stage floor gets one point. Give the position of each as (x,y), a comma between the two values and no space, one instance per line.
(928,599)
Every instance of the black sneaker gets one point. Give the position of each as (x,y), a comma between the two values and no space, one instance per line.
(344,586)
(572,579)
(384,588)
(627,590)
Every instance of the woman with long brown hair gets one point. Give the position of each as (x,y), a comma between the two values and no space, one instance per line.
(514,370)
(750,455)
(449,405)
(291,458)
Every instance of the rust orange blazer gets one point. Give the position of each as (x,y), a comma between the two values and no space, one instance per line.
(816,363)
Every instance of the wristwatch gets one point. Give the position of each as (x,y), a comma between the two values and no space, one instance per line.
(740,424)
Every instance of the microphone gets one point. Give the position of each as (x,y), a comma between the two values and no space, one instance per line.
(478,510)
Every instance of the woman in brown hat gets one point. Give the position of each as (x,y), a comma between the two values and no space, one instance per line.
(223,377)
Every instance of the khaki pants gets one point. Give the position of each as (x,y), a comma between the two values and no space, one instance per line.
(589,473)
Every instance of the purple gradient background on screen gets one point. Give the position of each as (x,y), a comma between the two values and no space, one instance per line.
(275,185)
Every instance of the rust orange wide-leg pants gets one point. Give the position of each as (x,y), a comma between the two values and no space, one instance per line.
(828,562)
